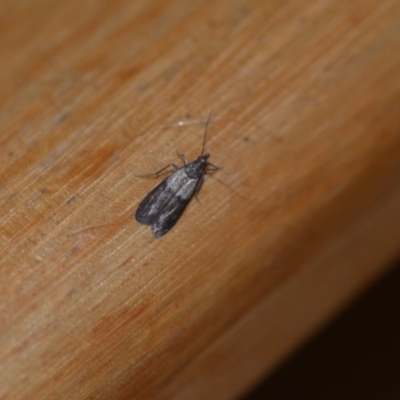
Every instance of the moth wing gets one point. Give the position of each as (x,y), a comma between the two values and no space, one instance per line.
(150,206)
(163,206)
(169,215)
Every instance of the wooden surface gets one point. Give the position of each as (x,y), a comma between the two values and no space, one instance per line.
(306,113)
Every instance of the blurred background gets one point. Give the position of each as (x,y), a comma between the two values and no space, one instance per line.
(356,357)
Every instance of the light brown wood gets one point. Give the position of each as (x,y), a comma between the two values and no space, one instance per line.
(306,112)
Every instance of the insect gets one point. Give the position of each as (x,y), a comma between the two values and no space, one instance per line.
(164,205)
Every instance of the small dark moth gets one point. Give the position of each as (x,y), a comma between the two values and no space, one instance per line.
(163,206)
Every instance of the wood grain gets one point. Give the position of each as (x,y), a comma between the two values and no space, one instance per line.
(306,113)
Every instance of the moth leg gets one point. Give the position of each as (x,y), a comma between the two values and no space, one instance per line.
(214,167)
(159,171)
(183,157)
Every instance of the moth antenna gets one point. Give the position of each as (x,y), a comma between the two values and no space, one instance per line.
(205,133)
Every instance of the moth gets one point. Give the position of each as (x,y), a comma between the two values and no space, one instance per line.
(163,206)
